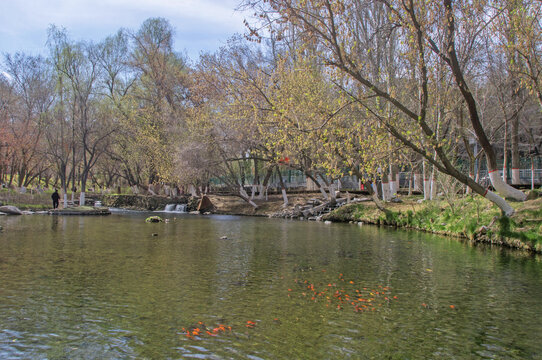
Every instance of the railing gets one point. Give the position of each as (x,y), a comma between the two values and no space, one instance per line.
(295,180)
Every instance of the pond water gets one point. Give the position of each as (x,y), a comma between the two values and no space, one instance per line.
(118,288)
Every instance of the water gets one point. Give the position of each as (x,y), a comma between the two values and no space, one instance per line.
(176,208)
(106,288)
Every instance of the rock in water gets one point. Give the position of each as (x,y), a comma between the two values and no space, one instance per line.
(10,210)
(153,219)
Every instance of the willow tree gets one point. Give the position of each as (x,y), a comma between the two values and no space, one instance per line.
(159,94)
(427,33)
(78,70)
(520,38)
(525,21)
(32,86)
(220,140)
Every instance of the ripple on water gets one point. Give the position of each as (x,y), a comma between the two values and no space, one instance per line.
(104,288)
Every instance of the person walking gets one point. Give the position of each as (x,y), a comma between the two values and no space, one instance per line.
(55,198)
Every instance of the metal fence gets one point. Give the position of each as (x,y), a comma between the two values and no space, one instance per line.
(296,180)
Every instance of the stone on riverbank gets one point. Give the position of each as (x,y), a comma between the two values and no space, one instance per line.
(81,210)
(10,210)
(205,205)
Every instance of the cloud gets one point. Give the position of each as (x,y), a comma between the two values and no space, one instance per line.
(205,23)
(6,75)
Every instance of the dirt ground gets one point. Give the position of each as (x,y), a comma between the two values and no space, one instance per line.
(236,206)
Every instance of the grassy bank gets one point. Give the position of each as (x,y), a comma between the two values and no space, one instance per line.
(473,218)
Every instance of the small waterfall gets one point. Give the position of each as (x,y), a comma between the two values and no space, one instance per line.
(180,208)
(177,208)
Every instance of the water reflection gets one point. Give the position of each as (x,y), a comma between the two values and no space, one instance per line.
(84,287)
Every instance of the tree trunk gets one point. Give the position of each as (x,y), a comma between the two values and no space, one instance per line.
(500,186)
(386,195)
(82,198)
(263,186)
(394,184)
(426,182)
(283,188)
(321,188)
(505,151)
(515,151)
(433,183)
(256,182)
(532,172)
(243,194)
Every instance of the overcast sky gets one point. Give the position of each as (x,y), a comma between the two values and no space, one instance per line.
(200,25)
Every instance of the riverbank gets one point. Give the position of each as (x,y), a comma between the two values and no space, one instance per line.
(471,218)
(81,210)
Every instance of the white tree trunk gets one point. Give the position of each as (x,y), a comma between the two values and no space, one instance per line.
(261,192)
(324,194)
(245,195)
(284,198)
(426,183)
(393,186)
(515,176)
(65,200)
(504,189)
(426,189)
(332,192)
(386,195)
(311,185)
(500,202)
(82,198)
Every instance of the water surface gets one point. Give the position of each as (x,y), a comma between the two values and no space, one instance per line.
(118,288)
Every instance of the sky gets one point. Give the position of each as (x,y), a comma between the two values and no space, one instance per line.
(200,25)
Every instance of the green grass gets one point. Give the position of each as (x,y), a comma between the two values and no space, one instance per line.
(464,219)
